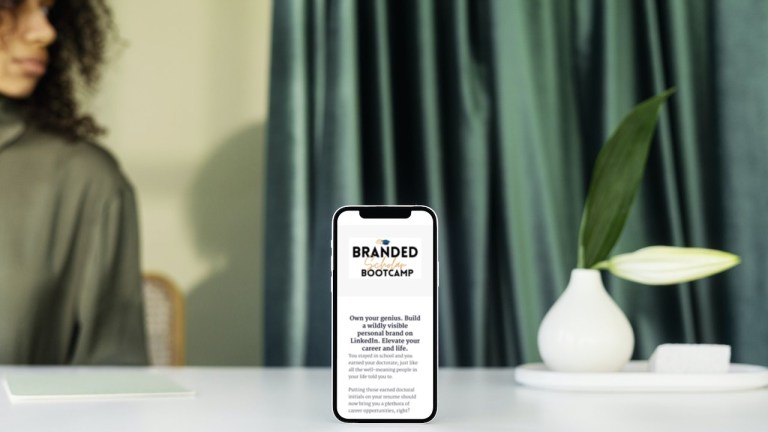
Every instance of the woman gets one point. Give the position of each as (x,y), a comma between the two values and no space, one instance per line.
(70,286)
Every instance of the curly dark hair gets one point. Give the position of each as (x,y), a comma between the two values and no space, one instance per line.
(83,28)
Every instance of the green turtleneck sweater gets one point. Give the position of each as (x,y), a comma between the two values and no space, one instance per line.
(70,284)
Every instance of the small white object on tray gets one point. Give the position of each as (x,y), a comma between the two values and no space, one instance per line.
(690,358)
(637,377)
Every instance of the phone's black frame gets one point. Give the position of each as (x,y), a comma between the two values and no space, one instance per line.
(386,212)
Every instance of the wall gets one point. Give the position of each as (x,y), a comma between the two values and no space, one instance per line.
(185,101)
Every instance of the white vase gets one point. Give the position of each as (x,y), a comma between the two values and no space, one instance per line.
(585,331)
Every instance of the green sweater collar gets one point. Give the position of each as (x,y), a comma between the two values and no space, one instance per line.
(11,121)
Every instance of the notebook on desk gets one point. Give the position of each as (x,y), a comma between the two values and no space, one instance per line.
(89,385)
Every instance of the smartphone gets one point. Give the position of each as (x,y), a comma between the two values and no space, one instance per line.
(384,285)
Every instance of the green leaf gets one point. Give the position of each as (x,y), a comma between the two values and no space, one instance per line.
(615,180)
(667,265)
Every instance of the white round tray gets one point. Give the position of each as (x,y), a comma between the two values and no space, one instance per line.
(635,377)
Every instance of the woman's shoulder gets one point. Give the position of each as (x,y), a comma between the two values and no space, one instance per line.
(85,161)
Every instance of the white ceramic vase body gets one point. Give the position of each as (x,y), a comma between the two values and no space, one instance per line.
(585,331)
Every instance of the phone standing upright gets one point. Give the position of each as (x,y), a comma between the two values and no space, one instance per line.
(384,287)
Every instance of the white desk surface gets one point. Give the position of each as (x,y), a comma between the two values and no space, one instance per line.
(296,399)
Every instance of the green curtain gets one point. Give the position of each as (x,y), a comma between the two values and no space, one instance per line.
(492,112)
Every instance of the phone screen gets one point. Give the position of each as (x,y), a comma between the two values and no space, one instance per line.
(385,314)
